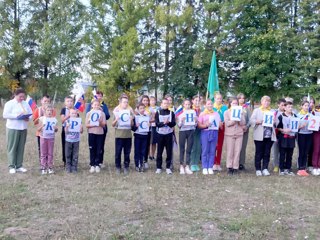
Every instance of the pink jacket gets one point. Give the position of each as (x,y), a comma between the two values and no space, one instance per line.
(233,128)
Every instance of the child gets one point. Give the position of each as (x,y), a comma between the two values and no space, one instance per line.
(154,139)
(316,148)
(263,137)
(165,121)
(95,122)
(39,112)
(286,140)
(304,139)
(64,114)
(140,137)
(220,108)
(196,147)
(123,135)
(47,131)
(72,143)
(209,138)
(233,137)
(246,111)
(275,146)
(186,134)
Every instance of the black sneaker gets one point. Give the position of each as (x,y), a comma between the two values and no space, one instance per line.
(241,167)
(230,172)
(235,172)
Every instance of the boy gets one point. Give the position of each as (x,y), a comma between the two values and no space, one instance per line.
(286,140)
(123,134)
(140,137)
(72,142)
(165,121)
(65,115)
(275,148)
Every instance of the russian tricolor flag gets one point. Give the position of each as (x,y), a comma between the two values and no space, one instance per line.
(31,103)
(179,111)
(247,104)
(80,105)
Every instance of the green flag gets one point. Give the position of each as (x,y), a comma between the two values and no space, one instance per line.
(213,83)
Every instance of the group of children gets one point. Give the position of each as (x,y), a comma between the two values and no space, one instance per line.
(203,129)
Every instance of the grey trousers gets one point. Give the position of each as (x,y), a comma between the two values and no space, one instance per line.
(72,154)
(242,159)
(185,136)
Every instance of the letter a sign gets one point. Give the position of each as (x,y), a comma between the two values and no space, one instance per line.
(268,119)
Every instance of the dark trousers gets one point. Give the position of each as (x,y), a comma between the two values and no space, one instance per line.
(72,155)
(164,141)
(63,142)
(38,140)
(105,131)
(140,147)
(146,153)
(285,160)
(304,144)
(125,144)
(185,136)
(95,145)
(263,149)
(310,153)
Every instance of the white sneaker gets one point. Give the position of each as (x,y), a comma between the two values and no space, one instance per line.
(50,171)
(187,170)
(146,165)
(168,171)
(12,170)
(182,170)
(318,170)
(158,171)
(97,169)
(265,172)
(258,173)
(21,169)
(219,168)
(44,172)
(92,169)
(315,172)
(210,171)
(310,169)
(205,171)
(215,167)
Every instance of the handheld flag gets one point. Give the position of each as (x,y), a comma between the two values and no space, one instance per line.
(213,82)
(179,111)
(94,92)
(31,103)
(80,105)
(247,104)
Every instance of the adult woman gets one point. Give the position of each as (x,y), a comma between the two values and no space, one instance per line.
(17,112)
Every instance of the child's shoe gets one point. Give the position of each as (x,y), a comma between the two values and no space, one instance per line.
(215,167)
(205,171)
(265,172)
(302,173)
(258,173)
(92,169)
(146,165)
(158,171)
(230,172)
(194,168)
(12,170)
(210,171)
(137,169)
(315,172)
(97,169)
(187,170)
(50,171)
(44,171)
(182,170)
(118,171)
(126,171)
(219,168)
(168,171)
(276,169)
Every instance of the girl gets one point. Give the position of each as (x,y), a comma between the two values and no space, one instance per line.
(209,137)
(286,140)
(304,139)
(154,139)
(196,148)
(233,136)
(95,122)
(220,108)
(123,135)
(47,128)
(186,134)
(263,137)
(246,111)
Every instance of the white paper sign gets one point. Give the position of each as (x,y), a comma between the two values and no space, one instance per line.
(74,124)
(165,129)
(236,112)
(94,118)
(268,119)
(48,128)
(143,122)
(214,122)
(190,116)
(124,119)
(314,122)
(294,124)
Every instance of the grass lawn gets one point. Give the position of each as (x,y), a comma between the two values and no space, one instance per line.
(150,206)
